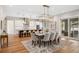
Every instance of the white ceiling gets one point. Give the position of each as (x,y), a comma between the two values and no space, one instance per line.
(36,10)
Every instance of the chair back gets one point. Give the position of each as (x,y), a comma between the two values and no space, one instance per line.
(37,32)
(33,37)
(51,36)
(57,38)
(54,36)
(46,37)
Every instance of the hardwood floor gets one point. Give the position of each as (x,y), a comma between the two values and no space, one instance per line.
(15,46)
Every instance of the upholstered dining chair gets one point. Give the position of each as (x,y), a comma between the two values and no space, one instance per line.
(46,40)
(53,37)
(34,39)
(57,39)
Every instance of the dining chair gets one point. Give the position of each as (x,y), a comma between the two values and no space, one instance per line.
(52,35)
(46,40)
(53,38)
(24,34)
(34,39)
(57,39)
(21,33)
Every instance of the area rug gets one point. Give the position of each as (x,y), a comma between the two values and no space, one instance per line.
(28,45)
(69,45)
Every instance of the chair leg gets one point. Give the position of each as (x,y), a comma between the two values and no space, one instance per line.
(7,42)
(48,43)
(35,43)
(44,44)
(32,42)
(58,40)
(39,44)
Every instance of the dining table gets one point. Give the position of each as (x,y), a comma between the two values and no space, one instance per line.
(40,35)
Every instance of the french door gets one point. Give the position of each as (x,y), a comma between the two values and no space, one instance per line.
(70,27)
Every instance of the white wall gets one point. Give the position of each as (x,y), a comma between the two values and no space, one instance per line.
(2,14)
(58,24)
(2,17)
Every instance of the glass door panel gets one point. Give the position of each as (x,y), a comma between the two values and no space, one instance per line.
(64,26)
(74,27)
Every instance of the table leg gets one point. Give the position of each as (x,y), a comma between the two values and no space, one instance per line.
(0,42)
(7,41)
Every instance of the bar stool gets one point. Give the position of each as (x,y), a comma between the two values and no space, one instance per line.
(24,34)
(21,33)
(28,33)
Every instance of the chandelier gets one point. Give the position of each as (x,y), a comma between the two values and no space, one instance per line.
(45,15)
